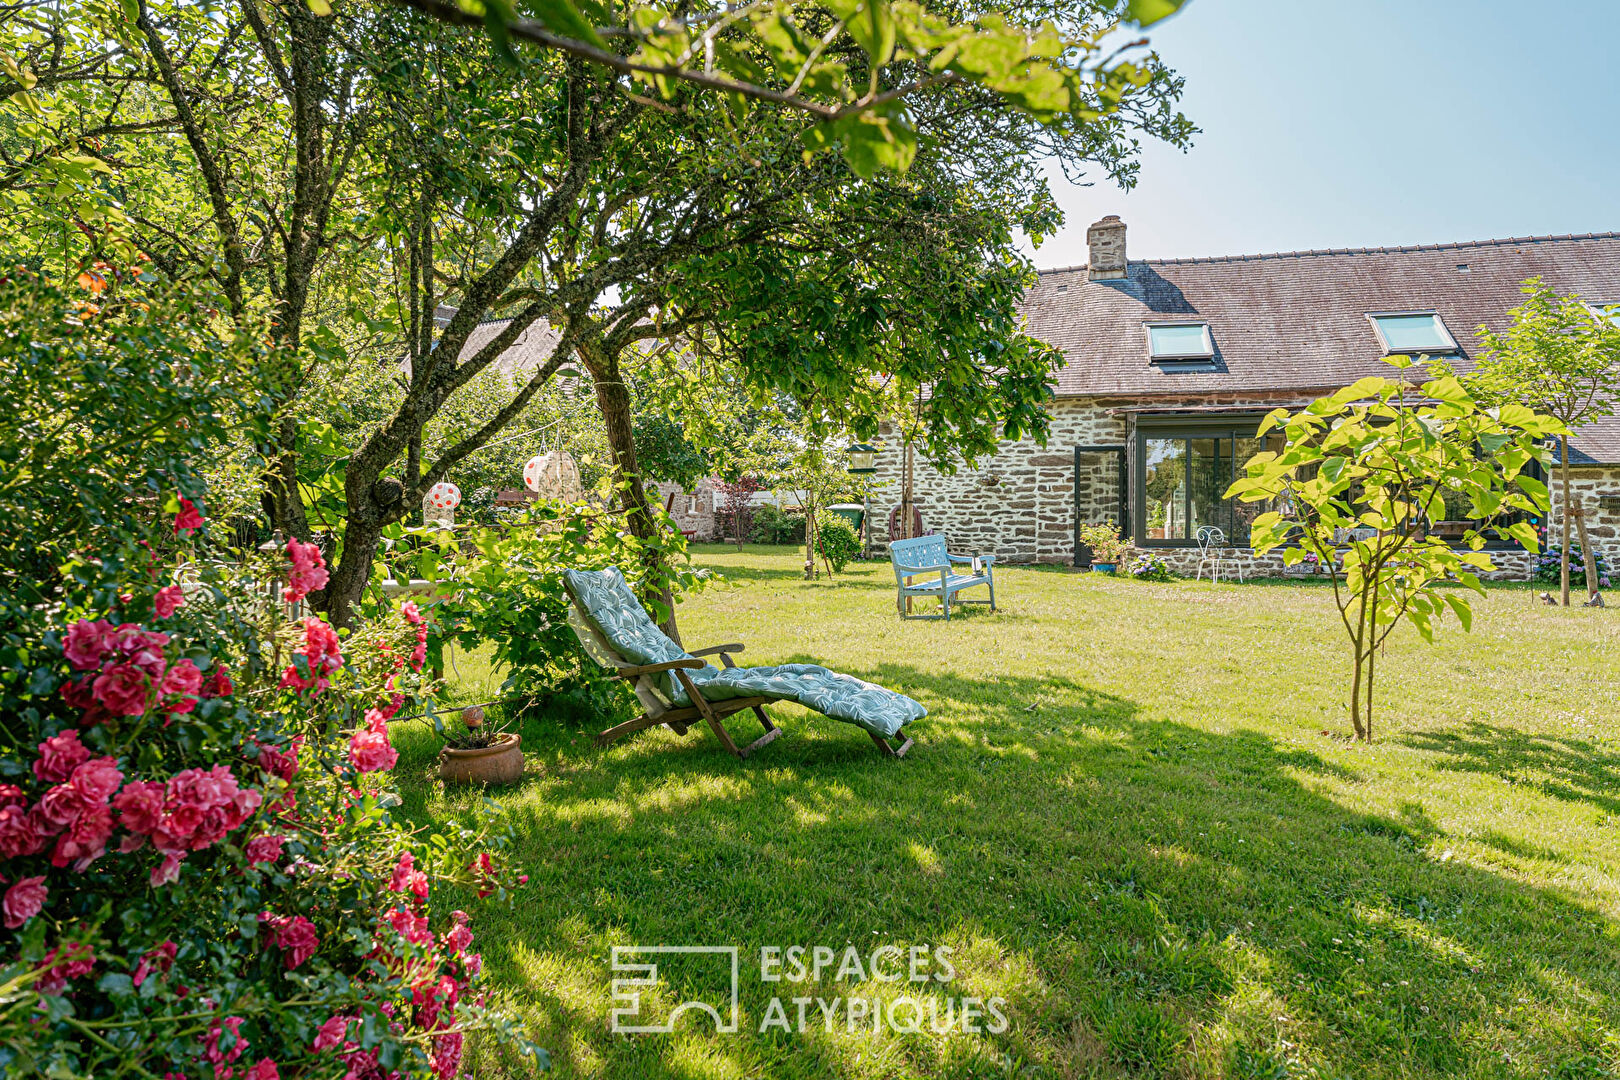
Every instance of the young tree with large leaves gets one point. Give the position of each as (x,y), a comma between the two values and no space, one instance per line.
(1361,474)
(1561,356)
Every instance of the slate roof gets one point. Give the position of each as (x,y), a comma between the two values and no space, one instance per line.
(532,349)
(1297,321)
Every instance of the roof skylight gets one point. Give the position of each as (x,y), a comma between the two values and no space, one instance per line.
(1179,341)
(1412,332)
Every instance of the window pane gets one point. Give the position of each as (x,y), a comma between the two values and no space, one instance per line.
(1413,333)
(1210,465)
(1164,489)
(1179,340)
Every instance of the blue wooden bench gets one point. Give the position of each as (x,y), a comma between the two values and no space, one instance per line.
(926,555)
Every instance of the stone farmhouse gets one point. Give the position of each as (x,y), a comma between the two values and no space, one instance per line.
(1172,363)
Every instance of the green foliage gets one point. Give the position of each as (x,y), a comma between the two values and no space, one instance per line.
(773,525)
(1561,357)
(111,397)
(853,66)
(1379,459)
(665,453)
(509,593)
(837,542)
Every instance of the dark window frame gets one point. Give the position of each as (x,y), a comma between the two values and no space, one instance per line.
(1232,426)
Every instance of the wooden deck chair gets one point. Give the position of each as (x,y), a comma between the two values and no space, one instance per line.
(659,711)
(654,682)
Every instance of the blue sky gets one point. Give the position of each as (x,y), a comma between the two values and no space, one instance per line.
(1350,123)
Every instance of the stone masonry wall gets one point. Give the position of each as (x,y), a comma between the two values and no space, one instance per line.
(1592,486)
(1018,504)
(692,510)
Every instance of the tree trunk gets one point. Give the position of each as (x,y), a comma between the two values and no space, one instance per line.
(1588,554)
(347,584)
(613,398)
(908,507)
(1563,556)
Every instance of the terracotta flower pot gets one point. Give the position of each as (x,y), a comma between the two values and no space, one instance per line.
(501,763)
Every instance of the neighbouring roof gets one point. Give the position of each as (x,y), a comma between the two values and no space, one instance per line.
(1297,321)
(532,348)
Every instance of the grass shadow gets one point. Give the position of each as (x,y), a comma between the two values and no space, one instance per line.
(1153,899)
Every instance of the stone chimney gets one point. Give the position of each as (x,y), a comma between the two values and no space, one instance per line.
(1106,239)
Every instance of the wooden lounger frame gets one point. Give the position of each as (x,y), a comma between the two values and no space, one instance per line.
(680,719)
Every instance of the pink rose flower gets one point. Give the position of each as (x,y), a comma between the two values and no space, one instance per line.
(168,600)
(159,959)
(370,750)
(12,795)
(413,928)
(264,849)
(308,572)
(123,690)
(282,763)
(219,683)
(331,1033)
(23,901)
(20,832)
(294,936)
(183,681)
(59,755)
(167,871)
(95,780)
(87,642)
(221,1058)
(140,806)
(85,840)
(72,961)
(412,613)
(447,1055)
(188,518)
(264,1070)
(458,939)
(407,878)
(322,656)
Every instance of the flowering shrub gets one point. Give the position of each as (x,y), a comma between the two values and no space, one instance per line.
(1105,543)
(1150,568)
(1547,566)
(199,876)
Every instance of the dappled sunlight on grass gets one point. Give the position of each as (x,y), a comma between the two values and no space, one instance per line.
(1123,813)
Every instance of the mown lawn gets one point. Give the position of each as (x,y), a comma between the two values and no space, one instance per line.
(1131,813)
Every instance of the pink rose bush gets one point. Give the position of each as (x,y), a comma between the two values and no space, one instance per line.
(179,837)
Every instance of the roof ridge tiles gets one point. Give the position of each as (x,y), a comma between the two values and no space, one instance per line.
(1455,245)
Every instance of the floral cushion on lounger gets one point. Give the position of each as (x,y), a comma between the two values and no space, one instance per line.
(613,610)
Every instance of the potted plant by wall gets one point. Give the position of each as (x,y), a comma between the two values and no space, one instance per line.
(1155,521)
(479,754)
(1107,549)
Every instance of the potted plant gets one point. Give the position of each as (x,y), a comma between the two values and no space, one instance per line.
(480,755)
(1107,549)
(1155,521)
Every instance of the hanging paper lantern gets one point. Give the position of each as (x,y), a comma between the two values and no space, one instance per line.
(554,476)
(444,496)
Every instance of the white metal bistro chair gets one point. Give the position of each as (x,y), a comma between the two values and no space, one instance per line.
(1214,554)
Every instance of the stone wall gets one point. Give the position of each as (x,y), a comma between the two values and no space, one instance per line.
(1593,486)
(693,510)
(1018,504)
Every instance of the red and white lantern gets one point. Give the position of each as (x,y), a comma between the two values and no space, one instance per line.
(444,496)
(531,472)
